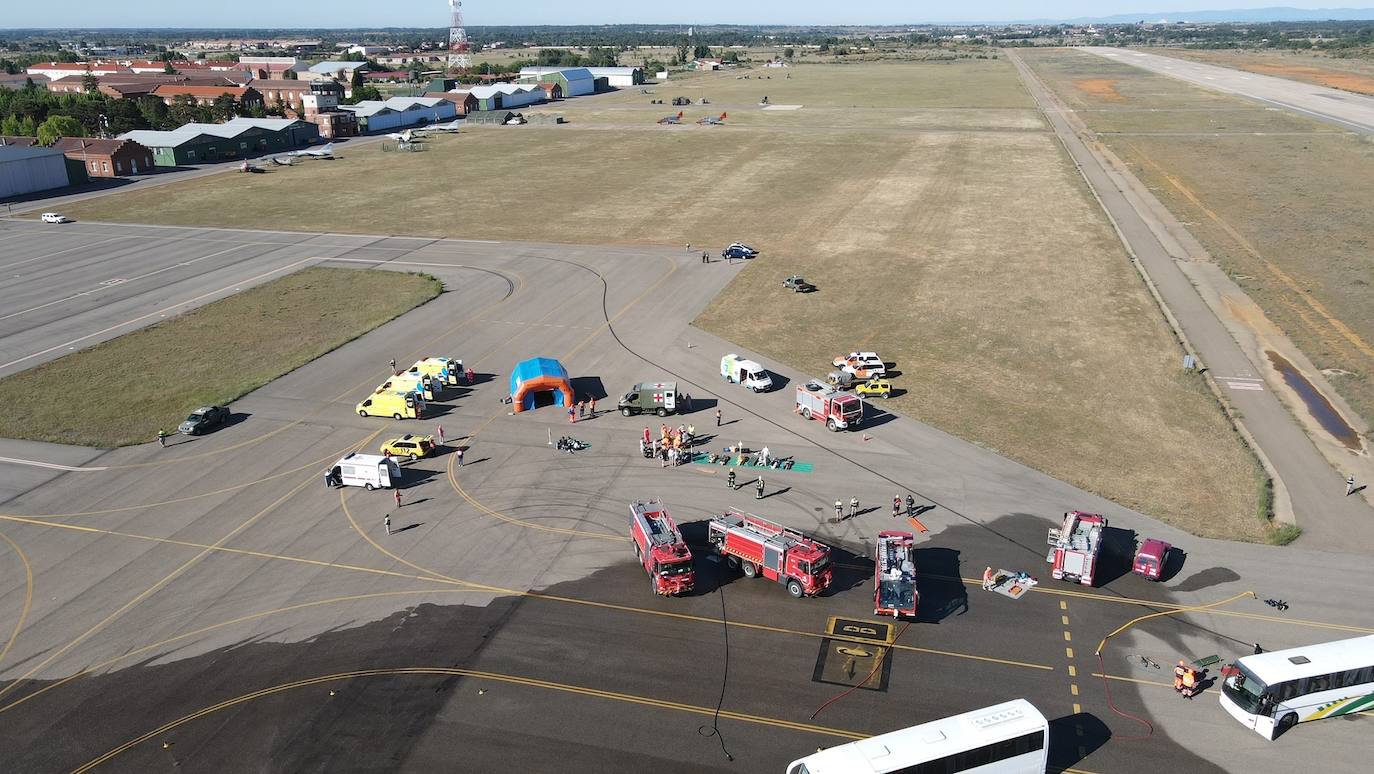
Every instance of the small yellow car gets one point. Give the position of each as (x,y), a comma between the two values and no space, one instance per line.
(410,446)
(881,388)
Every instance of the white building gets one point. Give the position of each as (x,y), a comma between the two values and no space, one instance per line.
(401,112)
(619,77)
(336,69)
(24,170)
(508,96)
(575,81)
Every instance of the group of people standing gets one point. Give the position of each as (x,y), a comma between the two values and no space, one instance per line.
(673,445)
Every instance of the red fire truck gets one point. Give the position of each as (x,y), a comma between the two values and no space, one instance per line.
(762,547)
(894,580)
(838,410)
(1074,546)
(659,547)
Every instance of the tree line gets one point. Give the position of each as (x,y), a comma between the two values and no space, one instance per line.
(24,112)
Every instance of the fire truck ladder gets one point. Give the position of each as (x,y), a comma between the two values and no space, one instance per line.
(762,526)
(650,514)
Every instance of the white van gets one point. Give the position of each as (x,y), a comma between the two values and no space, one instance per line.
(746,372)
(372,471)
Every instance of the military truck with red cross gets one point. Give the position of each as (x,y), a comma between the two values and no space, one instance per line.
(659,398)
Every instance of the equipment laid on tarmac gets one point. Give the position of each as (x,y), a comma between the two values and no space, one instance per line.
(569,444)
(1074,547)
(761,547)
(658,397)
(894,579)
(1008,583)
(371,471)
(746,372)
(838,410)
(660,549)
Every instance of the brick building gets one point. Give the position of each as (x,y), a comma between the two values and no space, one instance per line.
(245,96)
(107,158)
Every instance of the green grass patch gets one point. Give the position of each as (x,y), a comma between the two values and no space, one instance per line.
(152,378)
(1283,534)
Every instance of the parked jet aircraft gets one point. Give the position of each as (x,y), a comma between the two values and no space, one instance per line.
(709,121)
(677,119)
(322,152)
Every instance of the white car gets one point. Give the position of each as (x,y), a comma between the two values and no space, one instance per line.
(53,217)
(862,364)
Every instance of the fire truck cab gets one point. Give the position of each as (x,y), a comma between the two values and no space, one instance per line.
(1074,547)
(660,549)
(761,547)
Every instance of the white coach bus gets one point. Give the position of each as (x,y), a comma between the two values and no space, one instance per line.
(1008,738)
(1272,692)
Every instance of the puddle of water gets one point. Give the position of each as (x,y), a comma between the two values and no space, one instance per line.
(1317,405)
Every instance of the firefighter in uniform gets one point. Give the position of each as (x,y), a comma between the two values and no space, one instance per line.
(730,480)
(1185,680)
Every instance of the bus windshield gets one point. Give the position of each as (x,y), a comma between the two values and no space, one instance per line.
(1244,689)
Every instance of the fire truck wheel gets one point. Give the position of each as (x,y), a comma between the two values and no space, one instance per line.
(794,588)
(831,426)
(663,412)
(750,570)
(806,413)
(731,562)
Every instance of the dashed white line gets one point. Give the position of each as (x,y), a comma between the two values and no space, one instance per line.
(49,465)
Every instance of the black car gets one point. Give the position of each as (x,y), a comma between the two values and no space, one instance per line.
(203,420)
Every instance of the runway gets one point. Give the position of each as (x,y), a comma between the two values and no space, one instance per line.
(1352,111)
(213,601)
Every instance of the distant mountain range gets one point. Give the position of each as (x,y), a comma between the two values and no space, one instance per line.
(1275,14)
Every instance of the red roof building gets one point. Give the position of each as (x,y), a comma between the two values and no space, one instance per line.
(246,96)
(107,158)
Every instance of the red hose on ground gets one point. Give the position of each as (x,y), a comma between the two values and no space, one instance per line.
(876,667)
(1107,686)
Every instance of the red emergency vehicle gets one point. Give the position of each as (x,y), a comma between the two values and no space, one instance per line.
(1150,558)
(762,547)
(660,549)
(894,579)
(838,410)
(1074,547)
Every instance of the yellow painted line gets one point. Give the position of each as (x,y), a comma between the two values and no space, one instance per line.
(1073,671)
(1073,688)
(1068,652)
(607,324)
(28,596)
(1063,605)
(1178,606)
(1077,709)
(474,674)
(1134,621)
(212,627)
(155,587)
(453,481)
(1068,637)
(188,498)
(1064,619)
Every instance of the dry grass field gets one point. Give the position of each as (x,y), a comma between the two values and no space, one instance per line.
(940,219)
(1286,212)
(154,377)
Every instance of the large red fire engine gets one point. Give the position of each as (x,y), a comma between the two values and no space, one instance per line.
(762,547)
(1074,547)
(894,579)
(660,548)
(838,410)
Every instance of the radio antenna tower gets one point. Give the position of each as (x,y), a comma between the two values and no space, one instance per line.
(459,56)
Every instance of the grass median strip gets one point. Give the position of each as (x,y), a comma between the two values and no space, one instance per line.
(122,391)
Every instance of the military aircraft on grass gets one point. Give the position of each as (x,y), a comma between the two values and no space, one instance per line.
(677,119)
(322,152)
(709,121)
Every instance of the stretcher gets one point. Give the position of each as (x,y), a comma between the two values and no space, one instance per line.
(1011,584)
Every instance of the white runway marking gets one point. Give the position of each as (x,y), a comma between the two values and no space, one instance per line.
(49,465)
(113,282)
(59,252)
(161,311)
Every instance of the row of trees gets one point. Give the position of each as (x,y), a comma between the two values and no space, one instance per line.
(26,111)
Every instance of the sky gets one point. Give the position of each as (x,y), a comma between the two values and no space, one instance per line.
(434,13)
